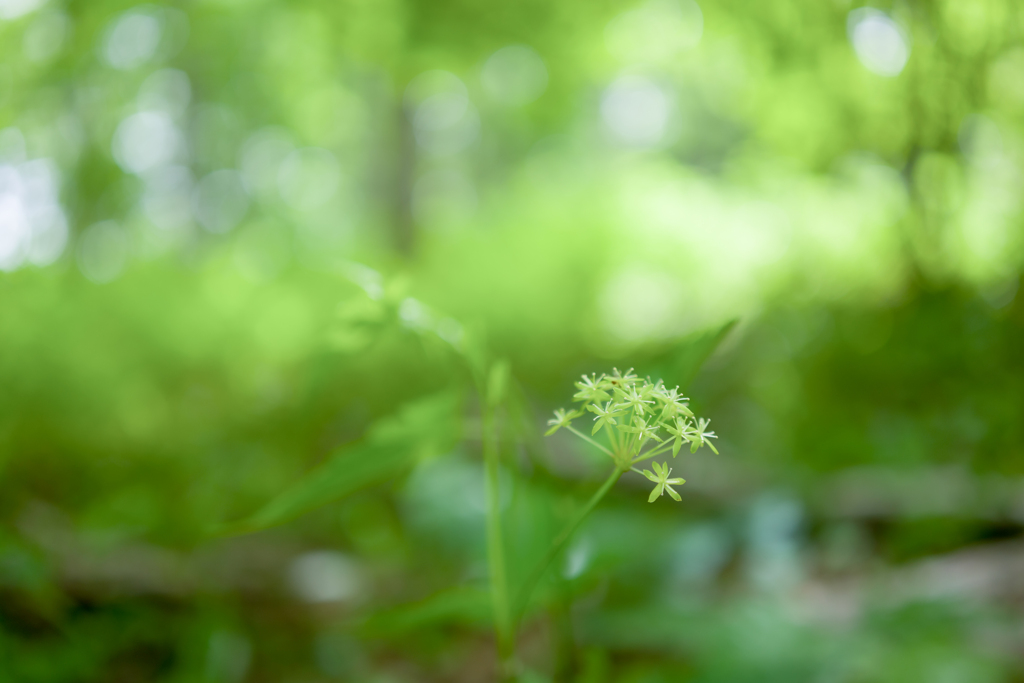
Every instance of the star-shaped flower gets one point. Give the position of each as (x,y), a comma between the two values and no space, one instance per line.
(605,415)
(622,380)
(636,401)
(681,431)
(646,431)
(662,483)
(591,389)
(675,404)
(698,435)
(561,419)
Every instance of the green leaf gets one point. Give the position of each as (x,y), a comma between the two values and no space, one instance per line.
(463,606)
(693,351)
(497,382)
(358,324)
(679,363)
(393,444)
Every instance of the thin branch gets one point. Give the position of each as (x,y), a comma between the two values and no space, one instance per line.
(587,438)
(653,452)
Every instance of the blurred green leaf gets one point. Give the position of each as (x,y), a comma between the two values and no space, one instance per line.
(679,363)
(497,382)
(418,429)
(463,605)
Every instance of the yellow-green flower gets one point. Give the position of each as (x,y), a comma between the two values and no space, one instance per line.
(632,412)
(680,430)
(662,483)
(699,435)
(591,389)
(605,416)
(675,404)
(632,399)
(561,419)
(645,430)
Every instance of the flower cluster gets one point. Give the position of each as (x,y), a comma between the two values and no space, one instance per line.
(636,414)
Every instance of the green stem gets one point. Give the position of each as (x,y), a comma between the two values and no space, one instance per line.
(612,439)
(587,438)
(653,452)
(495,544)
(523,597)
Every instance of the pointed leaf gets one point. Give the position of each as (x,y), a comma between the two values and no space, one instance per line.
(393,444)
(678,362)
(497,382)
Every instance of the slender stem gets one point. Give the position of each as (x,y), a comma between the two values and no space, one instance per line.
(633,444)
(587,438)
(495,544)
(613,438)
(523,597)
(654,451)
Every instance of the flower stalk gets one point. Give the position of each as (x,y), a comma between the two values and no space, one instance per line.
(493,396)
(634,414)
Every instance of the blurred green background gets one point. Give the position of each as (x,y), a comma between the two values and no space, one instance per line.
(252,250)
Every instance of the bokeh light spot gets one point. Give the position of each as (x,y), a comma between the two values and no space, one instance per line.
(881,45)
(14,227)
(49,236)
(32,224)
(637,111)
(12,9)
(514,75)
(656,31)
(146,140)
(132,39)
(324,576)
(220,201)
(444,120)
